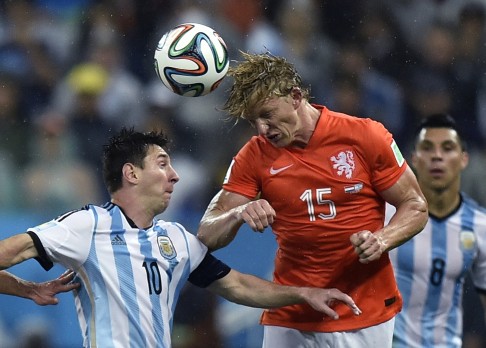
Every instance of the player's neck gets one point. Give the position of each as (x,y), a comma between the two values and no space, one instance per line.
(442,203)
(309,118)
(134,211)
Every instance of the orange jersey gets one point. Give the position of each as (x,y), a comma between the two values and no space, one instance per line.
(322,194)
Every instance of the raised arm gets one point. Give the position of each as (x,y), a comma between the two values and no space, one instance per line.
(409,219)
(252,291)
(225,215)
(41,293)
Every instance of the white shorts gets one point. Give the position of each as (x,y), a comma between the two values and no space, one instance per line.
(380,335)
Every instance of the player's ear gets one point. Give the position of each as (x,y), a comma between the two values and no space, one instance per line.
(413,159)
(130,172)
(296,95)
(464,159)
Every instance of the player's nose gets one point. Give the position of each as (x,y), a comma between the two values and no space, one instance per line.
(173,176)
(437,153)
(261,127)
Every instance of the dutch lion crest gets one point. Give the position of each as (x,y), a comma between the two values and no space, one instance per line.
(344,163)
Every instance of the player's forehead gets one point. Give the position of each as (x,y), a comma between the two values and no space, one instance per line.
(258,110)
(155,152)
(438,135)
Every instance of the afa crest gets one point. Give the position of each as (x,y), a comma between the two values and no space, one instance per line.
(166,247)
(468,240)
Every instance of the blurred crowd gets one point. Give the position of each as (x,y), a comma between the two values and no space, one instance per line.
(73,71)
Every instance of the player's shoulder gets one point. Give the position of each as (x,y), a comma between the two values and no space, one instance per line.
(363,133)
(102,214)
(170,226)
(258,142)
(258,147)
(351,124)
(76,213)
(472,204)
(99,211)
(82,219)
(175,232)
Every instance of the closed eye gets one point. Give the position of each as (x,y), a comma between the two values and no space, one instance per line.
(163,160)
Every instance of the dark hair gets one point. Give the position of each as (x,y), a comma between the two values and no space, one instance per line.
(127,146)
(440,121)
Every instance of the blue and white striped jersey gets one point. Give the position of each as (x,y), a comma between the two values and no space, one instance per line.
(130,278)
(430,270)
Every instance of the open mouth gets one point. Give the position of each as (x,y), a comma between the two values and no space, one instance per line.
(436,172)
(273,137)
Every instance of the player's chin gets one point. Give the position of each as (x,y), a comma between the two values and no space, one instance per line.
(164,203)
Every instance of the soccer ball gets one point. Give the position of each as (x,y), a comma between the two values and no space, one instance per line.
(191,59)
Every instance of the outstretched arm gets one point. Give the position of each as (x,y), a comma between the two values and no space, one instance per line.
(41,293)
(16,249)
(225,215)
(252,291)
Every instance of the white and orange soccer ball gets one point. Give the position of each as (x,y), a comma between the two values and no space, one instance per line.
(191,59)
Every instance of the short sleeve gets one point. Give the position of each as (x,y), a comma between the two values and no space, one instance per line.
(478,273)
(67,239)
(196,249)
(242,174)
(209,270)
(386,161)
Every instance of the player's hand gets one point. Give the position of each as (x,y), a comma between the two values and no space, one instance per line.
(257,214)
(368,246)
(323,299)
(45,293)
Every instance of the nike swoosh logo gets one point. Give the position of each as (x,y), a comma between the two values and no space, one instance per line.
(274,171)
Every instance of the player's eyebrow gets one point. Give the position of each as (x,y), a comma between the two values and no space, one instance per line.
(163,156)
(449,142)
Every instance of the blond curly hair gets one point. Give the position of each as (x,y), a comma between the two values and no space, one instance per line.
(257,78)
